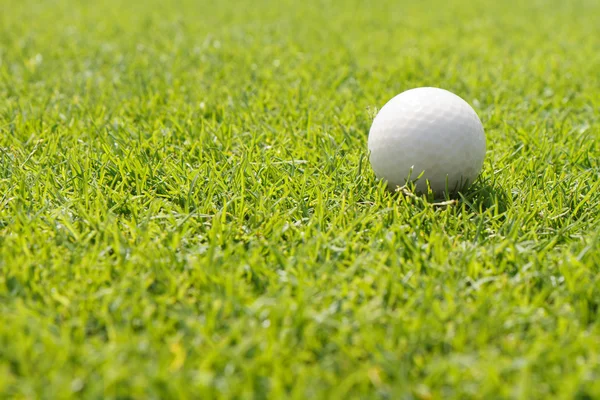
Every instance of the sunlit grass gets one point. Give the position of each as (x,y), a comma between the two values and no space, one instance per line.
(187,207)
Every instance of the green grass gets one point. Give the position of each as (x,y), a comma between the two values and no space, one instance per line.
(187,209)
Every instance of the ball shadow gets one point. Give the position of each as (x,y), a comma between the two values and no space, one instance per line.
(483,195)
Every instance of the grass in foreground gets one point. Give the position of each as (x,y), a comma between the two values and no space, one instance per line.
(187,210)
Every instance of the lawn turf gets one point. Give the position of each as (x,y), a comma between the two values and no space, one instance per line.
(187,208)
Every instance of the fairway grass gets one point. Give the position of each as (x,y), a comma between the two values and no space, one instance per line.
(187,209)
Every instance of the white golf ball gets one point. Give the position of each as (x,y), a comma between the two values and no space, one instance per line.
(430,131)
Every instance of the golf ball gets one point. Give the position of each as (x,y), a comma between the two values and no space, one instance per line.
(427,131)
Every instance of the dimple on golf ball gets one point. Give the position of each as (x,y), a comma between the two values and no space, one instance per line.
(427,131)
